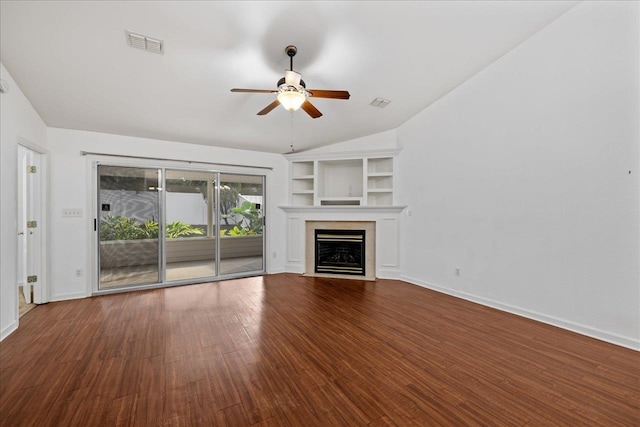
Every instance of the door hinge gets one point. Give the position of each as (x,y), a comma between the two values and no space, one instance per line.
(32,224)
(32,279)
(31,169)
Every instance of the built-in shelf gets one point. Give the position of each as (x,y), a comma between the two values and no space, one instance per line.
(302,169)
(350,179)
(380,165)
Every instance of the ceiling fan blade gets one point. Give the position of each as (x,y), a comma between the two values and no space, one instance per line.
(335,94)
(292,78)
(310,109)
(268,108)
(254,90)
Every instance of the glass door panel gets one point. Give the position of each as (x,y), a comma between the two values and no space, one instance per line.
(129,245)
(190,224)
(241,223)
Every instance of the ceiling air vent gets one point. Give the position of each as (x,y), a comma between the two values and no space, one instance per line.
(145,43)
(379,102)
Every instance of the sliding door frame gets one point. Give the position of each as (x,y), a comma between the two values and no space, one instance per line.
(163,166)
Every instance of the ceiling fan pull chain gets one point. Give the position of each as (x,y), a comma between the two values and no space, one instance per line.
(291,145)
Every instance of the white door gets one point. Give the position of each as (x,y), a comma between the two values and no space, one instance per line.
(29,222)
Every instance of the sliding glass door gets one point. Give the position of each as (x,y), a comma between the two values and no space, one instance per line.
(191,229)
(160,226)
(129,211)
(241,223)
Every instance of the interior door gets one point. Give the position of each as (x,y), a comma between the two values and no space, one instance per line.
(23,252)
(130,226)
(29,223)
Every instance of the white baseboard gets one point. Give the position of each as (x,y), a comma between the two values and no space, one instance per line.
(11,328)
(633,344)
(294,268)
(381,273)
(64,297)
(388,274)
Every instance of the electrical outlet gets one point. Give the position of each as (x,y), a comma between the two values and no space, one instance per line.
(457,271)
(79,272)
(275,255)
(71,213)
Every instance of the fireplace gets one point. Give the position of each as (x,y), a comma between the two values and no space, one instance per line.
(360,230)
(340,251)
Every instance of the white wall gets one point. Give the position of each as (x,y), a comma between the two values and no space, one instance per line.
(527,178)
(18,119)
(71,187)
(379,141)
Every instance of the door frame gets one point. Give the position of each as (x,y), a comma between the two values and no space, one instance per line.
(41,291)
(94,159)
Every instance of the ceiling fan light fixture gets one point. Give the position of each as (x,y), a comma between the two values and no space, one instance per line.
(292,92)
(291,99)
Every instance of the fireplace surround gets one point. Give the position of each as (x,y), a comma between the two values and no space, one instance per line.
(334,228)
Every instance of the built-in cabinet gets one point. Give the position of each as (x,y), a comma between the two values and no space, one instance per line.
(343,180)
(339,187)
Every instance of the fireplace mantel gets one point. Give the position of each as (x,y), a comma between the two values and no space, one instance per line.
(387,230)
(343,209)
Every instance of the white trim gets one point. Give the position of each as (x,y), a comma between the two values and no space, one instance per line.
(65,297)
(294,268)
(91,262)
(343,209)
(343,155)
(628,342)
(385,273)
(32,146)
(42,296)
(11,328)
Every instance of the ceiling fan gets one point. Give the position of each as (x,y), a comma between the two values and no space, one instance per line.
(293,93)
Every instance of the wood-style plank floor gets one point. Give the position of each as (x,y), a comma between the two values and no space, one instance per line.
(289,350)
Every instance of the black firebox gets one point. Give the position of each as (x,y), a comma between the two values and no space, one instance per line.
(340,252)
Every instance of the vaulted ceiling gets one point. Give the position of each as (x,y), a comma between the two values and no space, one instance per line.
(72,61)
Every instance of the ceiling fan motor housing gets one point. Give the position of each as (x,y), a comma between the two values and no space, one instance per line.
(283,81)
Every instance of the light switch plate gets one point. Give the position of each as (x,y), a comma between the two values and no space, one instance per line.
(71,213)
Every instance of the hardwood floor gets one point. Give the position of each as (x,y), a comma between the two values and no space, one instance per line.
(289,350)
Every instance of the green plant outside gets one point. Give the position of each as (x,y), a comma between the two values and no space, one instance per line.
(251,218)
(123,228)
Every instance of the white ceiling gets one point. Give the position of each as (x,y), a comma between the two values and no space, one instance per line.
(72,61)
